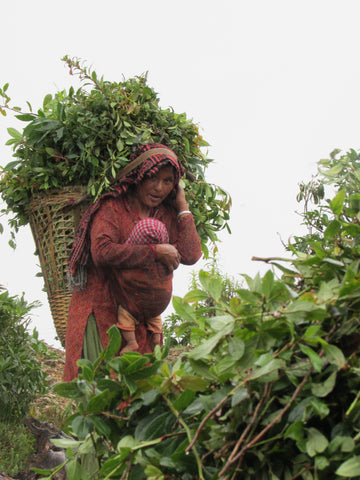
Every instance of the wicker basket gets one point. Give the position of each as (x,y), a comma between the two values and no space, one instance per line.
(53,223)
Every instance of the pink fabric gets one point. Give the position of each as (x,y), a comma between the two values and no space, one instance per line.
(148,231)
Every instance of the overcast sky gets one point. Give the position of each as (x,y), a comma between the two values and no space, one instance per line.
(273,84)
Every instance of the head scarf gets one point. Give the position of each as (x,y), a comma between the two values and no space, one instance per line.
(80,252)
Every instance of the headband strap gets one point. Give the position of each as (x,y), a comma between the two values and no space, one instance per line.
(141,158)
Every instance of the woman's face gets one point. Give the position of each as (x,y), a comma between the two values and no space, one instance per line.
(152,191)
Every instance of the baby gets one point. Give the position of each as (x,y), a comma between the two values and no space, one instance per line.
(146,292)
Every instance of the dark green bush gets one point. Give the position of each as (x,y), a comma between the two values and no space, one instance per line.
(16,444)
(21,377)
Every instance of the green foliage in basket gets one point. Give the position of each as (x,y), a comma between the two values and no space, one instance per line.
(85,136)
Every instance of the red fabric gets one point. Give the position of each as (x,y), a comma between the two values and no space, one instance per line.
(110,228)
(79,255)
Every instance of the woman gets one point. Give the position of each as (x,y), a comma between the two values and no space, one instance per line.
(150,190)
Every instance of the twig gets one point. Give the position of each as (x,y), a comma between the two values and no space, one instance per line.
(243,435)
(270,425)
(125,475)
(305,469)
(270,259)
(214,410)
(188,433)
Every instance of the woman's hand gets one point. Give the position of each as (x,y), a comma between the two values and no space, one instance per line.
(168,255)
(180,200)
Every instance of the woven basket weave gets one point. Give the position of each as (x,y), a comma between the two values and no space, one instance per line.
(53,223)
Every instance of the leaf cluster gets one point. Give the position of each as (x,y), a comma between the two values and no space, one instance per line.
(85,136)
(21,376)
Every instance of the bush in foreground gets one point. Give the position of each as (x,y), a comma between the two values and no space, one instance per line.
(270,389)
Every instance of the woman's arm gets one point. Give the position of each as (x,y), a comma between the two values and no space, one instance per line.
(188,243)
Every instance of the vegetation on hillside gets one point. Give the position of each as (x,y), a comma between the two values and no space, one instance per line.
(21,380)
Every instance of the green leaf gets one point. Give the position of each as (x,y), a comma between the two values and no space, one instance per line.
(195,295)
(100,425)
(332,229)
(153,426)
(87,371)
(120,145)
(219,322)
(316,442)
(272,366)
(301,306)
(46,100)
(212,284)
(98,403)
(267,283)
(324,388)
(114,344)
(320,408)
(114,464)
(184,309)
(236,348)
(27,117)
(153,472)
(66,442)
(81,426)
(239,396)
(208,346)
(68,390)
(15,134)
(184,399)
(334,355)
(295,431)
(321,462)
(248,296)
(337,203)
(193,382)
(41,471)
(316,361)
(127,442)
(74,471)
(350,468)
(332,261)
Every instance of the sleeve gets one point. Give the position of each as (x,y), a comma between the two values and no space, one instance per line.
(107,249)
(188,241)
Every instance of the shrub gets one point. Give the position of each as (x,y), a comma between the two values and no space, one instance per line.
(16,444)
(21,377)
(270,390)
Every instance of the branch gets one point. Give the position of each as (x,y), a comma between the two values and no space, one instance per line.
(188,433)
(214,410)
(270,259)
(268,427)
(251,423)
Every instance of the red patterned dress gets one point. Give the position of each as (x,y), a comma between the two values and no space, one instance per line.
(110,228)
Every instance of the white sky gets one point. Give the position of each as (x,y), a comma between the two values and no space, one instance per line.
(273,84)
